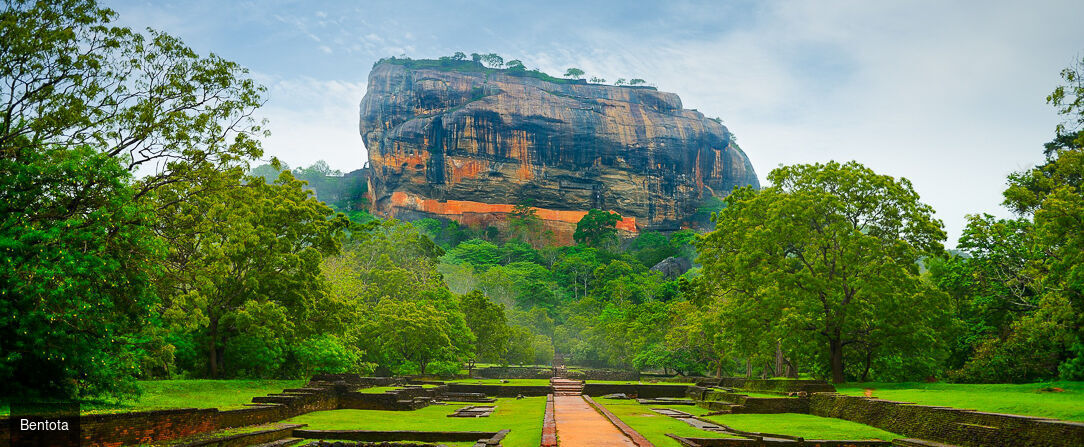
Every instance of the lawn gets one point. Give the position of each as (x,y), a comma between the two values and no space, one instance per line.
(522,416)
(1024,399)
(165,394)
(535,382)
(655,426)
(804,425)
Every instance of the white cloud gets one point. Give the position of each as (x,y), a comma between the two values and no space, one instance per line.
(312,119)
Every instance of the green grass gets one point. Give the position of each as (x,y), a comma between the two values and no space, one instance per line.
(522,416)
(518,382)
(1023,399)
(655,426)
(166,394)
(804,425)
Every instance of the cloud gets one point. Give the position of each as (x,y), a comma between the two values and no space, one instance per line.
(312,119)
(947,94)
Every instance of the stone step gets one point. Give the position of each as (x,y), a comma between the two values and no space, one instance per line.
(274,399)
(261,434)
(915,442)
(280,443)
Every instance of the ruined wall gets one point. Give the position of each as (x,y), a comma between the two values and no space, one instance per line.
(949,425)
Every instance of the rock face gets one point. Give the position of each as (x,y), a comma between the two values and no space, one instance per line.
(672,268)
(469,145)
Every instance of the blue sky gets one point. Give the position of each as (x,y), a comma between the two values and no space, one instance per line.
(947,94)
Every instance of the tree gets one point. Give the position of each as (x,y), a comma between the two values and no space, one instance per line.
(85,104)
(1053,195)
(489,325)
(78,257)
(515,65)
(476,58)
(232,243)
(636,81)
(620,81)
(828,257)
(597,228)
(74,79)
(525,223)
(597,80)
(493,60)
(574,73)
(417,331)
(458,56)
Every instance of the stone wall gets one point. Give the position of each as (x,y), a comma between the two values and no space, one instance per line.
(646,391)
(747,442)
(949,425)
(771,385)
(717,400)
(400,435)
(501,390)
(145,426)
(602,374)
(513,372)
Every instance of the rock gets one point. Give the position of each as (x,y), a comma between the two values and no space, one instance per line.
(673,267)
(469,144)
(616,396)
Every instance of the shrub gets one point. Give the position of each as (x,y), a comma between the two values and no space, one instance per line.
(326,354)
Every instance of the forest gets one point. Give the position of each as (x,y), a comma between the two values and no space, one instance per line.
(145,235)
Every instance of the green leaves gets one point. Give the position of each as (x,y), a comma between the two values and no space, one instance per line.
(597,228)
(827,256)
(244,254)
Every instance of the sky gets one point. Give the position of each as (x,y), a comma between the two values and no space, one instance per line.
(950,95)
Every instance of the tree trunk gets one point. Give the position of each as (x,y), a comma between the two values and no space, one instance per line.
(835,348)
(748,368)
(869,359)
(421,365)
(213,348)
(719,369)
(778,358)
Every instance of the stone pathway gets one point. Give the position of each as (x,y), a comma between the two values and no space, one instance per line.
(579,425)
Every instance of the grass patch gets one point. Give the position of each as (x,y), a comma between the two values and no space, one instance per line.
(167,394)
(522,416)
(655,426)
(804,425)
(517,382)
(1026,399)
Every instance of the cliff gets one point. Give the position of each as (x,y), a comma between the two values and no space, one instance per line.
(469,144)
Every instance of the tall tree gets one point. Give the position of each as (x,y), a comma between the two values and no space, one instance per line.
(72,78)
(825,255)
(1053,193)
(597,228)
(234,240)
(489,325)
(83,104)
(574,73)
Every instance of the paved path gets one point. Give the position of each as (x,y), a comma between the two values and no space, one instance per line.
(579,425)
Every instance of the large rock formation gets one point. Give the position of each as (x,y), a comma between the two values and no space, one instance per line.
(470,144)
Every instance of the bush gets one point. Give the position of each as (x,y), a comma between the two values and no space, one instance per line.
(249,356)
(445,369)
(326,354)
